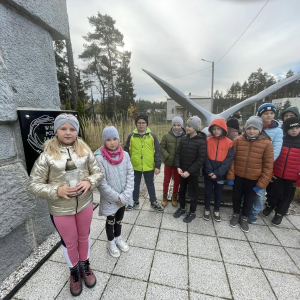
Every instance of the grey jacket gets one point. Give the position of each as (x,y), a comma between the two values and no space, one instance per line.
(118,183)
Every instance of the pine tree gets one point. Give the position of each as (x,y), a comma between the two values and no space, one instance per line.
(80,109)
(68,106)
(287,104)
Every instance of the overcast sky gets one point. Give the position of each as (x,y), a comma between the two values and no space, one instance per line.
(169,38)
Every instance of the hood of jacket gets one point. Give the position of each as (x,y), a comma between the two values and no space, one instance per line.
(221,123)
(183,132)
(200,135)
(135,131)
(292,109)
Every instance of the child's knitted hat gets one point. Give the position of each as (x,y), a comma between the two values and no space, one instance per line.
(290,123)
(266,106)
(254,121)
(108,132)
(177,119)
(143,117)
(194,122)
(233,123)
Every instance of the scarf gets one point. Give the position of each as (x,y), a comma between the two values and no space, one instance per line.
(177,133)
(251,138)
(108,155)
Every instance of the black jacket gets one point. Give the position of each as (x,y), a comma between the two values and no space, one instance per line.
(191,153)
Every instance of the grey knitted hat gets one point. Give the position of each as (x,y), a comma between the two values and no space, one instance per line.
(254,121)
(62,119)
(108,132)
(194,122)
(177,120)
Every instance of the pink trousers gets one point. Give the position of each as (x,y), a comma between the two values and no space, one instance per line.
(75,235)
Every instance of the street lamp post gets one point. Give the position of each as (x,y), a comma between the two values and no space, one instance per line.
(212,84)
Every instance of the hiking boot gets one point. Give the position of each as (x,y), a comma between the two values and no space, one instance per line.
(277,219)
(164,202)
(131,207)
(174,200)
(157,207)
(206,215)
(113,249)
(87,274)
(75,281)
(179,212)
(217,216)
(234,220)
(121,244)
(244,224)
(189,217)
(266,212)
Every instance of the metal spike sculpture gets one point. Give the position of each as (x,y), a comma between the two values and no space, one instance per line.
(206,116)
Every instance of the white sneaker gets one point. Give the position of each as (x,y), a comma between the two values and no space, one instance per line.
(121,244)
(113,249)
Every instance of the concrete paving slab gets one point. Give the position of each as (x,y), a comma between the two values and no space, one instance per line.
(96,215)
(209,277)
(58,255)
(224,230)
(238,252)
(295,220)
(284,224)
(131,216)
(226,213)
(261,234)
(240,277)
(155,292)
(136,263)
(51,274)
(97,227)
(151,219)
(100,258)
(287,237)
(171,223)
(170,209)
(197,296)
(204,247)
(125,289)
(147,205)
(295,255)
(200,226)
(260,220)
(126,229)
(91,294)
(144,237)
(170,269)
(172,241)
(290,290)
(274,258)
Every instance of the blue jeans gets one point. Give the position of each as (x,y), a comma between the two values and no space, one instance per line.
(149,180)
(210,187)
(257,205)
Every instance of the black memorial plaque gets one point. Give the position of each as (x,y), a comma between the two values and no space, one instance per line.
(37,127)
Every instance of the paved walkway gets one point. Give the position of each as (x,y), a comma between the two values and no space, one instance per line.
(169,259)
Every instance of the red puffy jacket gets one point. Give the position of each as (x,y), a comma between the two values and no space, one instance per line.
(287,165)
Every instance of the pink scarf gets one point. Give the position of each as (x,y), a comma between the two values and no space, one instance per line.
(108,155)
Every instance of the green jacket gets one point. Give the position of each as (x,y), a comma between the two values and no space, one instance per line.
(292,109)
(168,146)
(144,151)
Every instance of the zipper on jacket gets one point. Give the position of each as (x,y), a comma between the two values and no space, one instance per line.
(76,203)
(217,149)
(287,155)
(248,159)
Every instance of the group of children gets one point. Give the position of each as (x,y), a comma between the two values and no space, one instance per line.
(245,159)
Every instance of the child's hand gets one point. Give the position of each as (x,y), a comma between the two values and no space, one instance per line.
(179,171)
(156,171)
(213,176)
(83,186)
(65,191)
(185,174)
(120,202)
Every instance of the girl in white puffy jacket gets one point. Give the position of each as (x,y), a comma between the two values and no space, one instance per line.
(115,189)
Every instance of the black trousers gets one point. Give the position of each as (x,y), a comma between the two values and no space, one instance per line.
(281,195)
(190,183)
(114,224)
(243,187)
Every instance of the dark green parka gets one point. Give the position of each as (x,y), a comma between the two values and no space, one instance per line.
(168,147)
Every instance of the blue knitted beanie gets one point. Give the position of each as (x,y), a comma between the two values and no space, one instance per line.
(266,107)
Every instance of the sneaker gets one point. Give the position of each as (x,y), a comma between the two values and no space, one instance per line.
(206,215)
(277,219)
(244,224)
(113,249)
(75,281)
(179,212)
(131,207)
(234,220)
(217,216)
(253,221)
(156,206)
(266,212)
(121,244)
(189,217)
(87,274)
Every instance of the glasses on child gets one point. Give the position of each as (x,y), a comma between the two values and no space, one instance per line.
(141,123)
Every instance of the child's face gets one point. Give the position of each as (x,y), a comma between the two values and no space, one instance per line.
(66,134)
(141,125)
(268,117)
(217,130)
(176,127)
(189,129)
(252,131)
(294,131)
(112,143)
(288,114)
